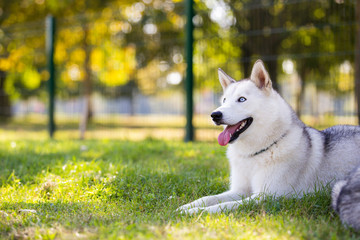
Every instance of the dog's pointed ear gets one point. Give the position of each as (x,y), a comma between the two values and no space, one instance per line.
(260,76)
(225,80)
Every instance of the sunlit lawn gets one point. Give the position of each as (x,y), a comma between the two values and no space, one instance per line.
(114,189)
(129,185)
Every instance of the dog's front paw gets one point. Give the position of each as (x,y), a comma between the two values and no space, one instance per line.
(189,211)
(185,207)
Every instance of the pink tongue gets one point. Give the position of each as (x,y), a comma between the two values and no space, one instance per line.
(224,137)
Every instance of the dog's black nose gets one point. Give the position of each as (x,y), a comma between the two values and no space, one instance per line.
(216,116)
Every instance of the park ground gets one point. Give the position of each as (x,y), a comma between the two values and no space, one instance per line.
(122,189)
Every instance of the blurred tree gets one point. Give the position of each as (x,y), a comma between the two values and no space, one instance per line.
(259,23)
(120,47)
(22,40)
(316,35)
(158,36)
(321,44)
(96,40)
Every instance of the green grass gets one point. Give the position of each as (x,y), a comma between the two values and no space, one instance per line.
(102,189)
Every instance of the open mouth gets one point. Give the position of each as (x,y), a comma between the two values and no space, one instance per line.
(232,132)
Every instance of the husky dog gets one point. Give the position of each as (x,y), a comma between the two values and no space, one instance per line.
(270,150)
(346,199)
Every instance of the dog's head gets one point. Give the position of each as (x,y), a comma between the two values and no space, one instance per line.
(243,103)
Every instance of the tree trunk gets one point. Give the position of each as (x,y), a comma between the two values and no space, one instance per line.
(5,106)
(246,61)
(357,58)
(300,94)
(87,84)
(272,68)
(132,102)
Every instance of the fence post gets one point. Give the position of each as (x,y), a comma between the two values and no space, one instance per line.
(50,39)
(189,82)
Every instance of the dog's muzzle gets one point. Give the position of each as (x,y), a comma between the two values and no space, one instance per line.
(217,117)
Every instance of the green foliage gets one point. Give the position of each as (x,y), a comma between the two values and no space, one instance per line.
(316,35)
(108,38)
(130,190)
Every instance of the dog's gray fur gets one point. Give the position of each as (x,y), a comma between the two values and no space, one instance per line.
(346,199)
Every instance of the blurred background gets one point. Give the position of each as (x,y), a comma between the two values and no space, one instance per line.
(120,66)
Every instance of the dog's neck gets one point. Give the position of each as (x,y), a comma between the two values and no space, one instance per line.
(268,147)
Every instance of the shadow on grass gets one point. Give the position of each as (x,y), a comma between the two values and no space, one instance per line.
(27,159)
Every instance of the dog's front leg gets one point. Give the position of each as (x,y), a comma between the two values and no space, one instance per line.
(211,200)
(232,205)
(224,206)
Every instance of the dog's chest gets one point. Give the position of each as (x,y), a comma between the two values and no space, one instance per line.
(257,170)
(262,159)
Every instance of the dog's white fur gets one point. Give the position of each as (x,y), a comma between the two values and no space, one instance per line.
(277,154)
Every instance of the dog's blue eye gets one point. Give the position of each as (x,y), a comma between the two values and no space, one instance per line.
(241,99)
